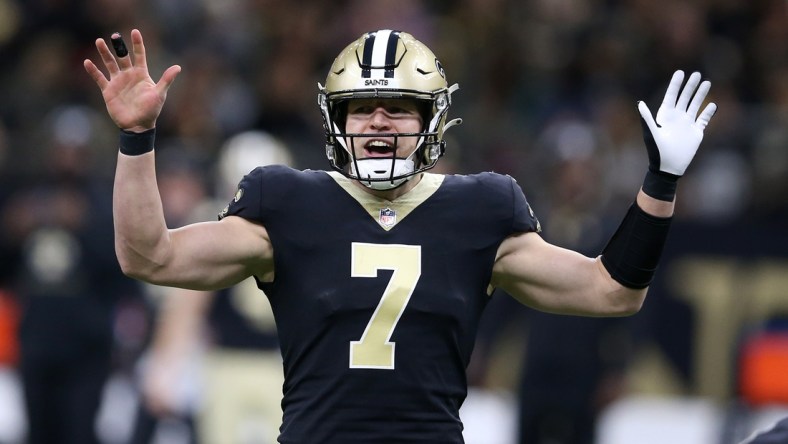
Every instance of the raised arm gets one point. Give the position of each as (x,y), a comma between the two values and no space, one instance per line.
(208,255)
(554,279)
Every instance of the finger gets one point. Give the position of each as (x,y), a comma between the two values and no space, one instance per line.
(699,97)
(645,113)
(95,74)
(106,57)
(120,48)
(137,45)
(167,78)
(673,89)
(689,90)
(706,115)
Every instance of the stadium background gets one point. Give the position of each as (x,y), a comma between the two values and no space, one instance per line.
(548,93)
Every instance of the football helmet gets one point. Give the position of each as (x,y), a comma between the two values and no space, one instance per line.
(386,64)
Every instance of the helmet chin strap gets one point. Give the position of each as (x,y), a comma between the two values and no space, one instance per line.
(381,168)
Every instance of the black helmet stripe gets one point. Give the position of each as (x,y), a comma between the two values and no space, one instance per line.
(391,53)
(380,52)
(366,61)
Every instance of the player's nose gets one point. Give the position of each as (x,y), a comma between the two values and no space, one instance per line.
(379,120)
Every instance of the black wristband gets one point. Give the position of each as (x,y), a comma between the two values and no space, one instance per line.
(660,185)
(632,254)
(134,144)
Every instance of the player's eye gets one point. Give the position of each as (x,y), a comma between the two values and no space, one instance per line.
(397,110)
(361,109)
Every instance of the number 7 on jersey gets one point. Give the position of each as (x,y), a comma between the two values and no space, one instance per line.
(375,349)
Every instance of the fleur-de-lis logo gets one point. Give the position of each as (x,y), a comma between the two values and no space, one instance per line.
(440,68)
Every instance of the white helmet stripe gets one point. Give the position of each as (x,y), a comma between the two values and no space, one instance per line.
(380,52)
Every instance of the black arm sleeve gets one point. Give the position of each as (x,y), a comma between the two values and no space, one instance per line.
(632,254)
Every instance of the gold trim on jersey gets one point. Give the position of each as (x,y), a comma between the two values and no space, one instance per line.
(401,206)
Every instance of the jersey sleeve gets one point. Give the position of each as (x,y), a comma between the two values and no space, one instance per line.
(262,193)
(247,200)
(524,219)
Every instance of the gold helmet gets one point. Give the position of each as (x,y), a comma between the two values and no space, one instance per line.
(386,64)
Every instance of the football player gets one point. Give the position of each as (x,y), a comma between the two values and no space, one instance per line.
(378,270)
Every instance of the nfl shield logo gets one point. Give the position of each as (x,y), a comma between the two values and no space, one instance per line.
(388,217)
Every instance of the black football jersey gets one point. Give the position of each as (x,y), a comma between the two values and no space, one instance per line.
(377,302)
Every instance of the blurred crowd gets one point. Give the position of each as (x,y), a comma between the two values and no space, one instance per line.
(542,82)
(548,92)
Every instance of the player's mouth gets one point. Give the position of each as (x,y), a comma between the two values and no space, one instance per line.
(378,148)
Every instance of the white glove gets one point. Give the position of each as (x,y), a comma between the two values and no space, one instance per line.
(676,135)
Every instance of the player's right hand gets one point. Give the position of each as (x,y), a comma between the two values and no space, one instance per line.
(134,101)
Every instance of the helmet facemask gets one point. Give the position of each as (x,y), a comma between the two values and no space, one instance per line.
(396,67)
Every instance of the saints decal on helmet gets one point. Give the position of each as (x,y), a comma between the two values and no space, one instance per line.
(386,64)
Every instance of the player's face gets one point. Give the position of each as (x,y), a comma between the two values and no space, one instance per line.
(381,116)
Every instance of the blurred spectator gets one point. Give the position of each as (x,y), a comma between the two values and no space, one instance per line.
(573,367)
(67,282)
(169,380)
(241,382)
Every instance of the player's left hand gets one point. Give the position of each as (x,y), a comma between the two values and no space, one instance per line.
(675,136)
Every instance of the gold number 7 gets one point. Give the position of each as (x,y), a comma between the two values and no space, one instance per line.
(374,349)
